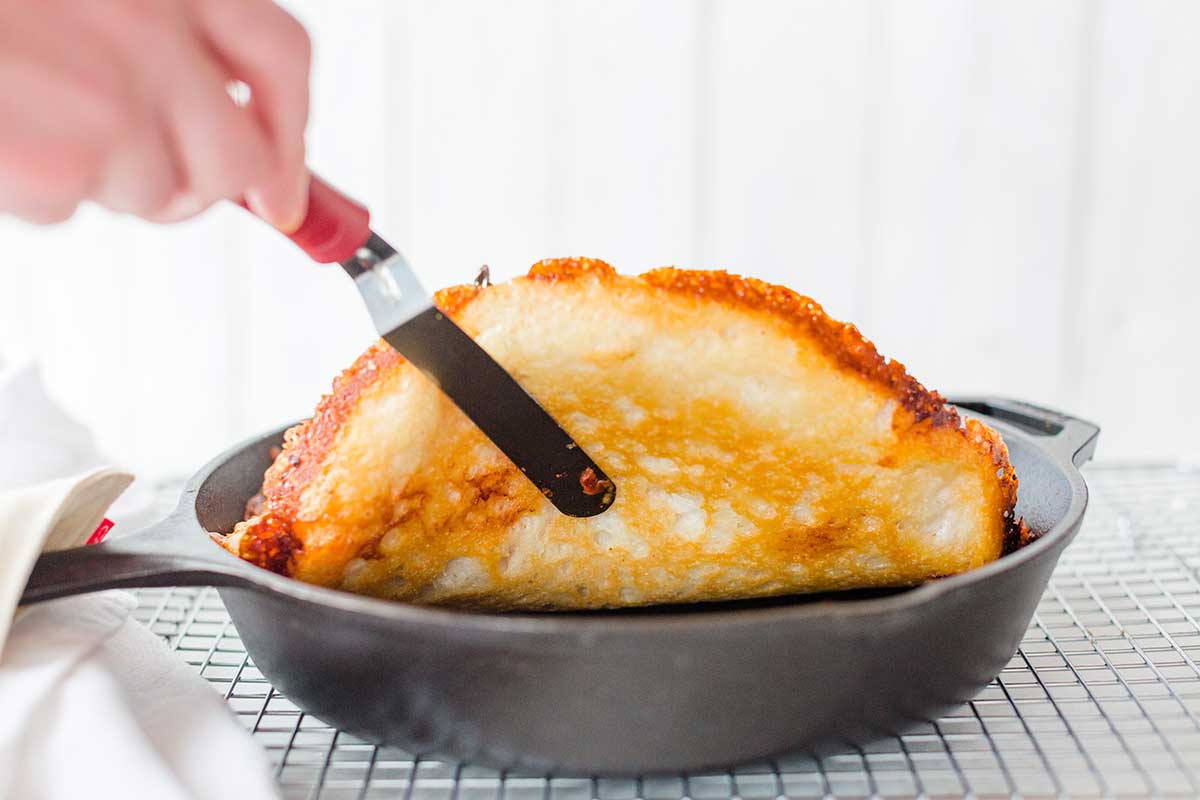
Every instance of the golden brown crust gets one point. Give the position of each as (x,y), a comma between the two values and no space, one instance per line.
(274,544)
(306,444)
(841,340)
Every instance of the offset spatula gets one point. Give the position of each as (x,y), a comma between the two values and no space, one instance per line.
(337,229)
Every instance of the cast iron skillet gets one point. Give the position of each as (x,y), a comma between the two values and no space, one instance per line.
(617,692)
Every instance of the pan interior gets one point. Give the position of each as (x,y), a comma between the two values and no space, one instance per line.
(234,479)
(1044,491)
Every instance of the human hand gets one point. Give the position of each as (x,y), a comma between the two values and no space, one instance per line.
(125,103)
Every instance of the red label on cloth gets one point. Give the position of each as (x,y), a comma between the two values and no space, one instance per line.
(101,531)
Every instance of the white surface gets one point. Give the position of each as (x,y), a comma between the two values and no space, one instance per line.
(1002,195)
(96,706)
(92,704)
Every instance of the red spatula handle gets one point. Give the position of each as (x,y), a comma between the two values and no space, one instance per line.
(335,226)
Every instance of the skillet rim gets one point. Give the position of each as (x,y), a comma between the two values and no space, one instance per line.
(602,622)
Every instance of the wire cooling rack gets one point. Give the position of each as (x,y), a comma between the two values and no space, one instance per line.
(1103,698)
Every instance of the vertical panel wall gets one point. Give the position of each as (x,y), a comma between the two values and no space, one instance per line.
(1002,195)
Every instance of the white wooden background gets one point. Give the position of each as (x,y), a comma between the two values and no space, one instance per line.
(1003,195)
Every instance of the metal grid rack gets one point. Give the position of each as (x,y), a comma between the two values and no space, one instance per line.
(1103,698)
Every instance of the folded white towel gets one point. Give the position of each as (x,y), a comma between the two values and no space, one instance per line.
(91,703)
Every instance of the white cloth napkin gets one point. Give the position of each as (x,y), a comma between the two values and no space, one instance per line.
(93,705)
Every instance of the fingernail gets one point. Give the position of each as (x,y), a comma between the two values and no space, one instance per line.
(259,208)
(285,210)
(300,210)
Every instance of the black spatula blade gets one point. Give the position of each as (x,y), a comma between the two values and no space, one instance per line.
(405,316)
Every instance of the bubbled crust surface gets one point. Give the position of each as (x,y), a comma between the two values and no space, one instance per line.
(759,448)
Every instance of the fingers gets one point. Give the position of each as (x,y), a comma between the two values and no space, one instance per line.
(125,103)
(263,46)
(57,122)
(140,175)
(48,162)
(220,148)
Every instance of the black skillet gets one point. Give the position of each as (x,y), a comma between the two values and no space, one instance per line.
(617,692)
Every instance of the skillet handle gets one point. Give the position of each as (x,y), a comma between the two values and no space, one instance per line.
(1073,439)
(169,553)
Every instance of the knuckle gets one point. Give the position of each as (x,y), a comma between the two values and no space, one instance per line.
(99,96)
(102,107)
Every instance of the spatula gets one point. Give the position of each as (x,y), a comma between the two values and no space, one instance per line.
(337,230)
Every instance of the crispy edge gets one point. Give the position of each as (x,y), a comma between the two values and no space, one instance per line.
(306,445)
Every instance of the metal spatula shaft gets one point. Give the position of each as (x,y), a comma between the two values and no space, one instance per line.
(337,229)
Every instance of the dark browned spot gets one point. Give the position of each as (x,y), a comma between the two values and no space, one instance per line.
(491,483)
(271,545)
(370,550)
(811,543)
